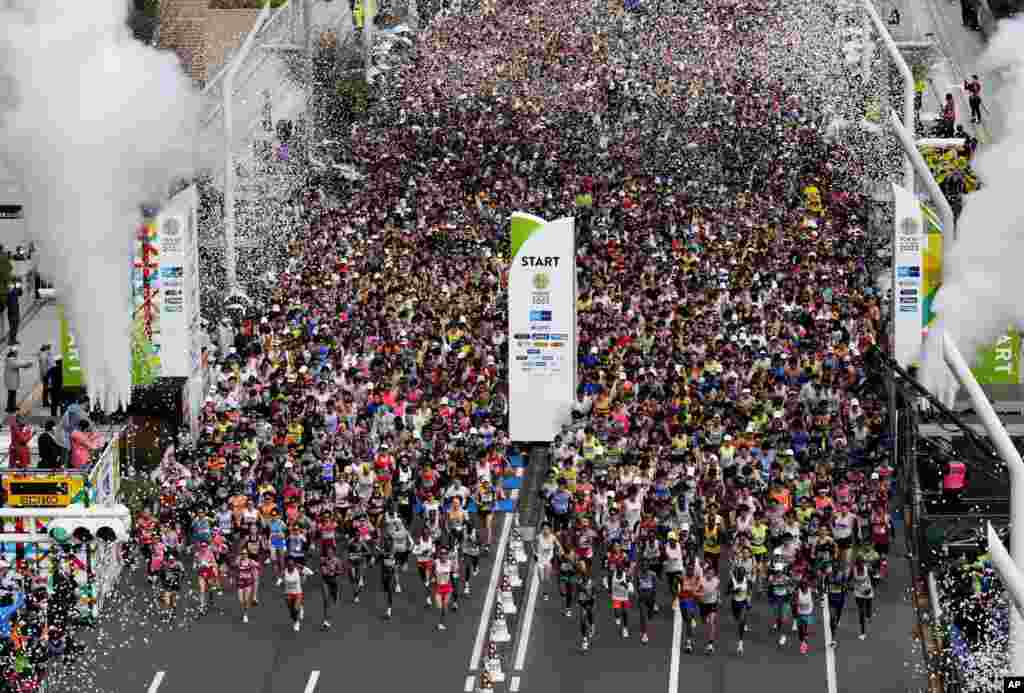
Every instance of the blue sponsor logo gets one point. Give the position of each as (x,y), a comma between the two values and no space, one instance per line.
(560,337)
(520,336)
(540,316)
(908,309)
(541,337)
(539,364)
(911,271)
(533,351)
(549,357)
(911,299)
(908,292)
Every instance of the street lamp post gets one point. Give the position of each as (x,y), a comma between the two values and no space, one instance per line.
(230,249)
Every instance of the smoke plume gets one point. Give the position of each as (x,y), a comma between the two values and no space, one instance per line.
(95,124)
(983,280)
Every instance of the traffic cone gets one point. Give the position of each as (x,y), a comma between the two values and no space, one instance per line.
(508,603)
(499,626)
(512,570)
(492,664)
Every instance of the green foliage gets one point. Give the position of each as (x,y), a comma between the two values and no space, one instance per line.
(137,494)
(943,163)
(353,96)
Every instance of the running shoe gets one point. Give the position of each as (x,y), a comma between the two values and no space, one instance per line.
(863,636)
(547,596)
(794,628)
(455,606)
(644,638)
(739,648)
(278,582)
(355,599)
(296,627)
(466,591)
(245,618)
(441,626)
(625,632)
(428,601)
(782,641)
(803,648)
(398,588)
(387,614)
(476,571)
(568,613)
(302,612)
(689,647)
(709,649)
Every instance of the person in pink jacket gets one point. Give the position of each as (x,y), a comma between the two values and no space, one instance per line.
(83,442)
(21,434)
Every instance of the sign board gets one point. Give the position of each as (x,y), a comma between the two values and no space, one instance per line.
(541,327)
(907,281)
(165,282)
(71,364)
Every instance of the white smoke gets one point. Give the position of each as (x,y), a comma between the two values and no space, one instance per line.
(982,292)
(99,123)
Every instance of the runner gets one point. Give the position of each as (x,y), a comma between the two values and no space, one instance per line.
(389,562)
(688,597)
(331,570)
(837,579)
(739,587)
(292,578)
(206,569)
(471,550)
(647,594)
(803,601)
(622,598)
(248,577)
(442,581)
(424,552)
(171,573)
(863,593)
(586,597)
(360,551)
(547,546)
(709,600)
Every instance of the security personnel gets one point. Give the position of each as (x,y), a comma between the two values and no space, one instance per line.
(954,480)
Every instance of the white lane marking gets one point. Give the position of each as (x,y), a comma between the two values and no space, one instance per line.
(313,678)
(485,616)
(677,641)
(830,653)
(470,682)
(514,684)
(157,680)
(531,607)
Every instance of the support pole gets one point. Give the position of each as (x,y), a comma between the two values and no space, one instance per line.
(228,88)
(1014,464)
(908,84)
(906,141)
(1012,578)
(369,11)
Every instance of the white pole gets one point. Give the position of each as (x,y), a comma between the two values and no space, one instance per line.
(1012,578)
(908,85)
(1014,464)
(830,652)
(905,139)
(228,88)
(369,10)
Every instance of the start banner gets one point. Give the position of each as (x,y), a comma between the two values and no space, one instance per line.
(541,327)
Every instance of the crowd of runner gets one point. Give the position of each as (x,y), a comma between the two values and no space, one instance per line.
(723,444)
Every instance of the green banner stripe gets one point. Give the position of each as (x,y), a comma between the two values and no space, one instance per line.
(523,226)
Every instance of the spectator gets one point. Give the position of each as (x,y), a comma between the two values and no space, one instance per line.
(55,379)
(973,89)
(21,435)
(46,362)
(72,417)
(50,451)
(12,377)
(84,442)
(13,312)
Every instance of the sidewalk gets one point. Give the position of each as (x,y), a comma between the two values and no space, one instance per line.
(42,326)
(959,51)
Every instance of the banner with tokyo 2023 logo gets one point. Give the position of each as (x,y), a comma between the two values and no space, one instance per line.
(541,326)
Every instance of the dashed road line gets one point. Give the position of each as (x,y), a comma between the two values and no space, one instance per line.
(157,680)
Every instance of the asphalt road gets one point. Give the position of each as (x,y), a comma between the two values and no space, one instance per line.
(884,663)
(219,652)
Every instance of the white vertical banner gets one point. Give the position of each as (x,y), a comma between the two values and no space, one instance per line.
(908,279)
(176,224)
(541,327)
